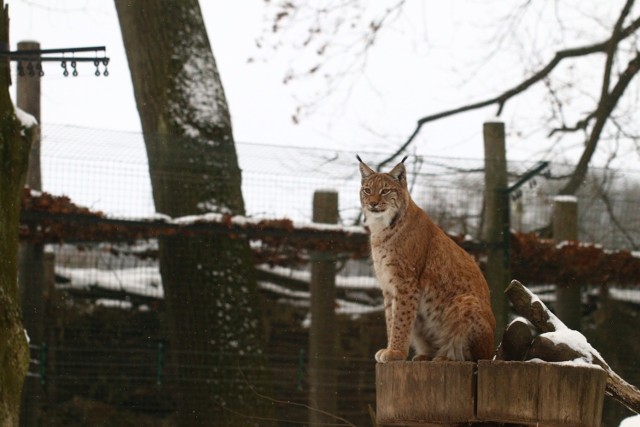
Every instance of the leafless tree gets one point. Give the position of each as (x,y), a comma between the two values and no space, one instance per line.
(209,283)
(600,73)
(16,138)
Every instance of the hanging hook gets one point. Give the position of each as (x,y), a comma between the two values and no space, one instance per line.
(63,64)
(75,71)
(105,62)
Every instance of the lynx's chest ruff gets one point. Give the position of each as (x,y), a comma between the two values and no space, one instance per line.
(378,222)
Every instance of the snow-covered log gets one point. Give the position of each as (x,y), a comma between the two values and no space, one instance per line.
(515,341)
(546,394)
(557,343)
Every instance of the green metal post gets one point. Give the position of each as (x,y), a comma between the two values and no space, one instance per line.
(159,364)
(43,363)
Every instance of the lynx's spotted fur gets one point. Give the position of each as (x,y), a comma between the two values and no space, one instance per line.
(435,296)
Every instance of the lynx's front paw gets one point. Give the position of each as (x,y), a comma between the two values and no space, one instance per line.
(387,355)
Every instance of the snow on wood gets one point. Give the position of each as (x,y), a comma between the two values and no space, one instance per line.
(350,282)
(557,343)
(494,119)
(198,91)
(548,394)
(26,119)
(516,340)
(633,421)
(145,281)
(565,199)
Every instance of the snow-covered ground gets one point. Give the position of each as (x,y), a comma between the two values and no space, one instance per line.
(359,292)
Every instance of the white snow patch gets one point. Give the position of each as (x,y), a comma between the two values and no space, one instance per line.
(192,219)
(353,229)
(628,295)
(213,206)
(519,319)
(348,282)
(494,119)
(557,323)
(633,421)
(565,199)
(574,339)
(355,309)
(198,89)
(579,363)
(114,303)
(26,119)
(281,290)
(244,220)
(144,281)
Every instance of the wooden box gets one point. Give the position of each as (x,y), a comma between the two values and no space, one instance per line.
(544,394)
(425,392)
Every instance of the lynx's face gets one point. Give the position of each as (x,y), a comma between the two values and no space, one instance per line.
(380,192)
(383,195)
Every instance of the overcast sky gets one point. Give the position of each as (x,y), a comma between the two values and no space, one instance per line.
(437,56)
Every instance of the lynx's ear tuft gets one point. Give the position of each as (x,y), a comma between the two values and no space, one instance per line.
(405,158)
(399,173)
(365,171)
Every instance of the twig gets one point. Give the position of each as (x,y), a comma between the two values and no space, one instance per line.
(501,99)
(343,421)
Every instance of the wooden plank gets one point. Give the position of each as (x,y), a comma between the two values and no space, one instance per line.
(571,396)
(507,391)
(425,392)
(544,394)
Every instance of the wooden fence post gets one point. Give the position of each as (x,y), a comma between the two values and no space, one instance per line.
(496,214)
(323,334)
(31,256)
(565,228)
(28,99)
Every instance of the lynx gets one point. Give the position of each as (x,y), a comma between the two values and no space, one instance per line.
(435,296)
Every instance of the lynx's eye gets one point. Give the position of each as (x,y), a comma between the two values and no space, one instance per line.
(366,190)
(385,191)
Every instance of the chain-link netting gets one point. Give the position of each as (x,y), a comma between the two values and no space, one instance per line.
(106,347)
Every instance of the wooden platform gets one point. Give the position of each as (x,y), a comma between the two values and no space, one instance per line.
(425,392)
(525,393)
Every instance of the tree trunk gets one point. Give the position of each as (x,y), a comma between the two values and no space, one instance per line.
(209,282)
(31,256)
(15,143)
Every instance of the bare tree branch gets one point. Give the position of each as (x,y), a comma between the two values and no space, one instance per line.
(580,125)
(500,100)
(604,196)
(606,106)
(607,103)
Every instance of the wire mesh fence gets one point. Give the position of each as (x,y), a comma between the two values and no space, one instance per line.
(106,348)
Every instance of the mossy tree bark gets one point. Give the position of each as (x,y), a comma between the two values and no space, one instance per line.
(15,145)
(209,281)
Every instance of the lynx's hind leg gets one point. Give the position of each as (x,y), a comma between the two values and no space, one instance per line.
(481,340)
(471,331)
(456,348)
(420,340)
